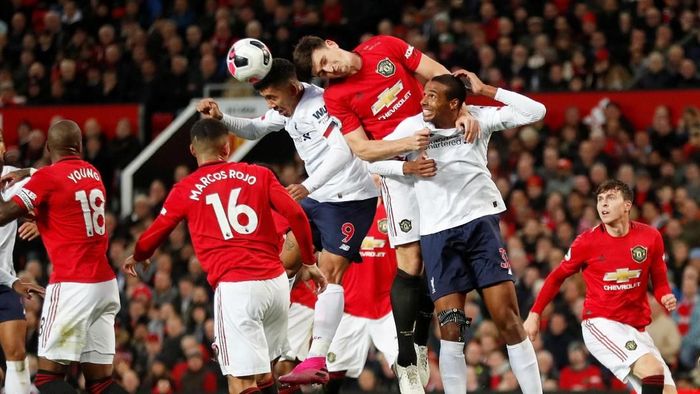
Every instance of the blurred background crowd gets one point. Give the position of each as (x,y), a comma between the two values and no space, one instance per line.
(162,53)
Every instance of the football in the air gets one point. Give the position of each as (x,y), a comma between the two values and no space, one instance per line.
(249,60)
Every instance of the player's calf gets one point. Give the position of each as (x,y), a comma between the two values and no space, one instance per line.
(453,366)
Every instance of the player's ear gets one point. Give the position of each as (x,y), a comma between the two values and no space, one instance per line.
(331,44)
(192,151)
(628,205)
(455,105)
(227,148)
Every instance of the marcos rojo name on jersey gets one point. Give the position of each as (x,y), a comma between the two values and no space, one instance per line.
(220,176)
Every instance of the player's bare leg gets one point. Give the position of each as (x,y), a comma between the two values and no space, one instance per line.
(453,325)
(242,384)
(98,379)
(327,315)
(12,334)
(650,372)
(502,304)
(412,310)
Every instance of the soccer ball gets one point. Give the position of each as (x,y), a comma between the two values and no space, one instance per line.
(249,60)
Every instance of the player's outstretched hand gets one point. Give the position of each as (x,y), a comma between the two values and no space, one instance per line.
(532,325)
(209,109)
(314,273)
(13,177)
(28,231)
(130,264)
(26,289)
(423,166)
(669,302)
(297,191)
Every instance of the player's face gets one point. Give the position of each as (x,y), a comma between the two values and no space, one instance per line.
(280,98)
(330,62)
(612,206)
(434,101)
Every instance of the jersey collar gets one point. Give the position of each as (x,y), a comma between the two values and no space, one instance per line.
(71,157)
(211,163)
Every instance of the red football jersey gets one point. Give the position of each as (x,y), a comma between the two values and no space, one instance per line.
(616,271)
(68,198)
(368,284)
(228,207)
(382,93)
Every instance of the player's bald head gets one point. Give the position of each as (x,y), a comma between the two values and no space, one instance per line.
(208,136)
(65,136)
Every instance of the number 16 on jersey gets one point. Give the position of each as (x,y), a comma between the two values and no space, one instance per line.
(228,218)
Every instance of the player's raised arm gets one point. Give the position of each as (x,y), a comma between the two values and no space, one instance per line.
(373,150)
(250,129)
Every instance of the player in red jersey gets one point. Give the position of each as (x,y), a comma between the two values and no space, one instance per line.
(617,258)
(371,90)
(367,319)
(82,299)
(228,207)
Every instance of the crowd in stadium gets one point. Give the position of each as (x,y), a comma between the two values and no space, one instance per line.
(162,54)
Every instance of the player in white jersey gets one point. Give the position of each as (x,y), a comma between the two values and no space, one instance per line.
(13,326)
(460,235)
(339,196)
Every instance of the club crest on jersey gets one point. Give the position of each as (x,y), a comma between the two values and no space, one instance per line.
(631,345)
(382,226)
(405,225)
(386,68)
(639,253)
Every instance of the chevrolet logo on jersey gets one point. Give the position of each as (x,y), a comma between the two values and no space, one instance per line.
(371,243)
(387,97)
(622,275)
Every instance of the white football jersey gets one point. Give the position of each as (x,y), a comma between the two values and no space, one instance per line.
(8,232)
(315,134)
(462,190)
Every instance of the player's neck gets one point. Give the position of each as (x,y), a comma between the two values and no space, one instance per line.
(355,63)
(445,122)
(60,155)
(618,228)
(207,159)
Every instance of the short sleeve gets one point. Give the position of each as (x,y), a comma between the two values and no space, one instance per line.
(35,191)
(399,49)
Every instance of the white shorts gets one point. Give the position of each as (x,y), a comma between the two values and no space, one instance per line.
(350,346)
(250,323)
(301,321)
(402,214)
(77,322)
(617,346)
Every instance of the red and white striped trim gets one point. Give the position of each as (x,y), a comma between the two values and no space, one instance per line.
(603,339)
(51,317)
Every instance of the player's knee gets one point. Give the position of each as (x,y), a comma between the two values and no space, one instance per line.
(647,365)
(453,324)
(334,269)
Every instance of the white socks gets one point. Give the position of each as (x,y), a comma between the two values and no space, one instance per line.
(523,363)
(327,315)
(17,377)
(453,367)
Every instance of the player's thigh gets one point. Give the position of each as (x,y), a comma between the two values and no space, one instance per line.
(446,269)
(299,326)
(240,342)
(65,318)
(276,316)
(403,217)
(344,225)
(100,345)
(383,334)
(350,346)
